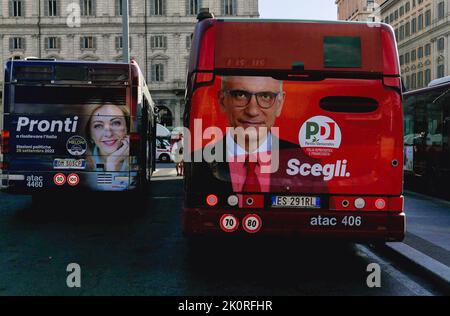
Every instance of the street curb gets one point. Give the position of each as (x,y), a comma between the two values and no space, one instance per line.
(436,269)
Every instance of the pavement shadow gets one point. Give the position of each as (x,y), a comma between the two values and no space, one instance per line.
(96,207)
(274,262)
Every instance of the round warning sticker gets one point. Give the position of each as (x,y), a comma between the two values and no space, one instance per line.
(252,223)
(229,223)
(59,179)
(320,136)
(73,179)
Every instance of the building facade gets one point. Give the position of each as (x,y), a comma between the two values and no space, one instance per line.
(91,30)
(357,10)
(422,29)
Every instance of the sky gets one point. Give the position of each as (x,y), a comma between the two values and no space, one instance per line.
(298,9)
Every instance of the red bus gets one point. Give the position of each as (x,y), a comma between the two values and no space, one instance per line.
(75,126)
(324,154)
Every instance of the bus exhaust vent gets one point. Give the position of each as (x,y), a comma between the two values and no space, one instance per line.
(104,179)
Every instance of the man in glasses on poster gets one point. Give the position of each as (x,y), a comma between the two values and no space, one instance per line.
(252,145)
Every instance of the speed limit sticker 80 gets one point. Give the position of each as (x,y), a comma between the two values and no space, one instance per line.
(252,223)
(229,223)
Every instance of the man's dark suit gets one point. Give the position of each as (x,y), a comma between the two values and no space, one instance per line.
(203,178)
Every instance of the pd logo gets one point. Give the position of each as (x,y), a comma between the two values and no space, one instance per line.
(320,136)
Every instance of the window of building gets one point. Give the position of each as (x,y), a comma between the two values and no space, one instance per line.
(440,44)
(413,3)
(88,42)
(407,58)
(441,10)
(53,42)
(407,29)
(440,71)
(17,43)
(396,34)
(413,81)
(87,7)
(427,76)
(428,50)
(188,42)
(420,52)
(413,25)
(413,55)
(157,72)
(391,17)
(51,8)
(402,60)
(407,7)
(158,7)
(119,7)
(158,41)
(402,10)
(386,20)
(193,7)
(229,7)
(119,42)
(420,79)
(16,8)
(401,33)
(396,15)
(420,22)
(428,18)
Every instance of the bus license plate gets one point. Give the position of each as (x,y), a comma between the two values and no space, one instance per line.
(69,164)
(296,201)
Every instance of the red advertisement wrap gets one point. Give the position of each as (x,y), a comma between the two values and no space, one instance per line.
(319,105)
(370,142)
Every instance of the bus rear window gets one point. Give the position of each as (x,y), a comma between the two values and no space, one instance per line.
(69,95)
(33,72)
(71,73)
(304,46)
(342,52)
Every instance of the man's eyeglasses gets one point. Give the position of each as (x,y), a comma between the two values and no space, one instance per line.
(241,98)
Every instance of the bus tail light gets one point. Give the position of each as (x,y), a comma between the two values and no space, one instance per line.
(4,142)
(380,204)
(366,203)
(212,200)
(393,82)
(360,203)
(391,64)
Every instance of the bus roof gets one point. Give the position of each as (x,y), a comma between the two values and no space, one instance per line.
(247,20)
(295,46)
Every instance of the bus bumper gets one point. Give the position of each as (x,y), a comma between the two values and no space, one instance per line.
(355,226)
(18,182)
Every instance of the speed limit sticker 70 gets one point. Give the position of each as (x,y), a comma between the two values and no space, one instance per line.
(229,223)
(252,223)
(59,179)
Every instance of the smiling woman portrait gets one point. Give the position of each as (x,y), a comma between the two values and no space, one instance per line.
(107,132)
